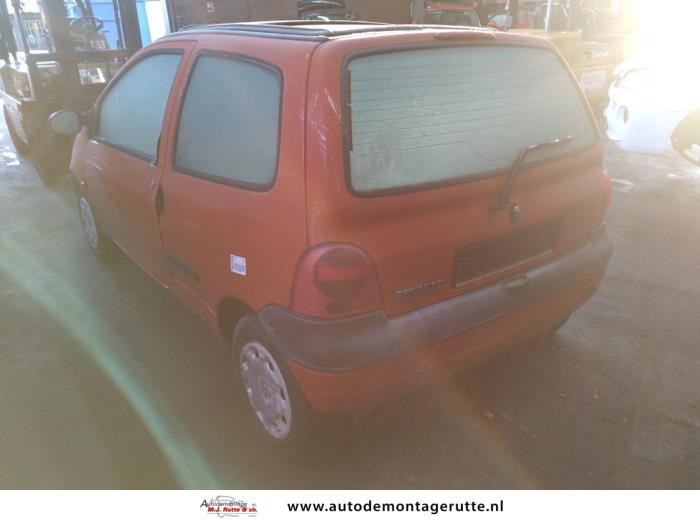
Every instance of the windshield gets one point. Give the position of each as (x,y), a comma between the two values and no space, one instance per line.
(428,116)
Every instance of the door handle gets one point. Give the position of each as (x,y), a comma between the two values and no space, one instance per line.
(516,283)
(160,202)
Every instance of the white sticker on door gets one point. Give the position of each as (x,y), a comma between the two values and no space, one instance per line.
(238,265)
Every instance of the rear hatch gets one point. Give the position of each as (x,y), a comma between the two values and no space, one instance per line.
(426,139)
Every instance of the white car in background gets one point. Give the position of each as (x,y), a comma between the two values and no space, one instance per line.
(649,97)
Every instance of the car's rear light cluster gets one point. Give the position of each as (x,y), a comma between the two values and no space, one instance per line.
(336,280)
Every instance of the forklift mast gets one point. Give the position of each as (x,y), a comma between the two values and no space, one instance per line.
(59,33)
(130,25)
(8,46)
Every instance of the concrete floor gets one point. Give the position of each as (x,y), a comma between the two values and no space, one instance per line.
(106,381)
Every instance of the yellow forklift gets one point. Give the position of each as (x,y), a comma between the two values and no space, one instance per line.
(592,50)
(593,63)
(64,62)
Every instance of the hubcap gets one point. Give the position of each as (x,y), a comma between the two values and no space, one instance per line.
(88,221)
(266,389)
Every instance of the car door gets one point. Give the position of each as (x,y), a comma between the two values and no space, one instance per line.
(123,168)
(233,190)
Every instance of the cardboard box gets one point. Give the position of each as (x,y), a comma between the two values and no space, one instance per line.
(223,11)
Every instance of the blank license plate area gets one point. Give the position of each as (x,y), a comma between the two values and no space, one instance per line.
(478,260)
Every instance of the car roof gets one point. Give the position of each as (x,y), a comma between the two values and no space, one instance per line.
(313,30)
(318,32)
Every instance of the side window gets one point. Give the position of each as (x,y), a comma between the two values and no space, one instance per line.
(229,124)
(131,114)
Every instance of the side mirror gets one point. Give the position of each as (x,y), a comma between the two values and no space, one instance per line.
(65,122)
(686,138)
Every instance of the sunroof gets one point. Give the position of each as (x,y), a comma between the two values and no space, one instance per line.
(301,29)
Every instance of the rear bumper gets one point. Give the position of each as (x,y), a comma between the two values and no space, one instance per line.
(345,364)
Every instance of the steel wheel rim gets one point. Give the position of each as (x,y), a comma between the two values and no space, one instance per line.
(88,221)
(267,391)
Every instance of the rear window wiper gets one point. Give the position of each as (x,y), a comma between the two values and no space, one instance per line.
(504,197)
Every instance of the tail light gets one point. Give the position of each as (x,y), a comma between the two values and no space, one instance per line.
(336,280)
(606,198)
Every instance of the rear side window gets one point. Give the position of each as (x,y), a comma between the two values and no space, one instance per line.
(229,125)
(131,114)
(426,117)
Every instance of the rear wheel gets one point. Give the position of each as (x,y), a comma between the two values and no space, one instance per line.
(21,147)
(266,389)
(277,407)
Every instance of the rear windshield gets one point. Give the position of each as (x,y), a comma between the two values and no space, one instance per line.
(426,117)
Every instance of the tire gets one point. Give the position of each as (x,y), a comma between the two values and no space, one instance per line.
(21,147)
(101,245)
(274,403)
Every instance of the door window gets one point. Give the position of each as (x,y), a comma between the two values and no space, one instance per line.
(229,124)
(131,114)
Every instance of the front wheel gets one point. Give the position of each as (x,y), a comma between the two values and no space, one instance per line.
(277,405)
(101,245)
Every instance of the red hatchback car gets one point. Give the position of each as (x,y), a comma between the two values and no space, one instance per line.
(358,208)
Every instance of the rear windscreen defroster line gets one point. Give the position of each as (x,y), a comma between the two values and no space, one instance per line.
(426,117)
